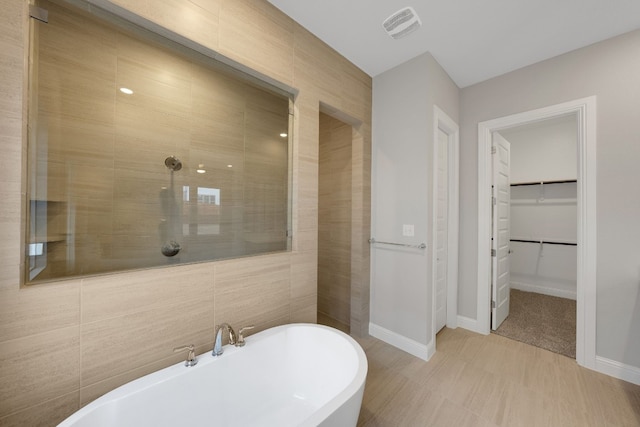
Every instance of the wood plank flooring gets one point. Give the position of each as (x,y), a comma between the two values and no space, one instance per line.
(477,380)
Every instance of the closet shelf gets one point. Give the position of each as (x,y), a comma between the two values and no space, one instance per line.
(546,242)
(567,181)
(564,201)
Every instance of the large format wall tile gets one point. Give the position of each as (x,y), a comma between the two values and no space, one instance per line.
(304,288)
(356,92)
(11,66)
(34,310)
(114,346)
(253,291)
(256,34)
(44,414)
(104,298)
(10,224)
(194,19)
(39,367)
(315,68)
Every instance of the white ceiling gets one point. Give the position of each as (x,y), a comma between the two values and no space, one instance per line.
(473,40)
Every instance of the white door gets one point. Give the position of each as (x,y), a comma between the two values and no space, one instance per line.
(501,232)
(442,229)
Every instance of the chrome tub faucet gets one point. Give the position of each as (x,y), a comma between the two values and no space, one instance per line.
(217,346)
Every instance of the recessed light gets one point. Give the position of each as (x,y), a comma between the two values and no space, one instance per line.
(126,90)
(201,169)
(283,134)
(229,166)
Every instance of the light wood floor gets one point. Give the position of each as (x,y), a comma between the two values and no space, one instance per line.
(477,380)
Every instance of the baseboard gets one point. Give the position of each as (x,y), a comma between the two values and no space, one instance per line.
(618,370)
(415,348)
(470,325)
(431,349)
(538,289)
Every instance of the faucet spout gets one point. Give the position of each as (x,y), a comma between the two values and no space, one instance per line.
(217,346)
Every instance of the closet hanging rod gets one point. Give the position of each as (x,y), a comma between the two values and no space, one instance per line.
(404,245)
(545,242)
(520,184)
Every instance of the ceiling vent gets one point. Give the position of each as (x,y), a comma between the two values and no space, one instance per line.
(402,23)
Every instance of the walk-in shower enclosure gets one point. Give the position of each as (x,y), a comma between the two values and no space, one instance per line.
(143,152)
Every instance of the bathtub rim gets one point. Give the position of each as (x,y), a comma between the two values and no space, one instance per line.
(354,388)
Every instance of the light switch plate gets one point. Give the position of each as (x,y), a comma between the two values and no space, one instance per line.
(407,230)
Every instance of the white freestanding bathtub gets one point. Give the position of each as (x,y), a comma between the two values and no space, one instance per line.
(291,375)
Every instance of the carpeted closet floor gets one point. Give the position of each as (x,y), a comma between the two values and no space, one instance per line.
(541,320)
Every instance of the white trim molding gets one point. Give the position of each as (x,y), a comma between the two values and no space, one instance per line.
(469,324)
(412,347)
(441,121)
(618,370)
(544,290)
(585,111)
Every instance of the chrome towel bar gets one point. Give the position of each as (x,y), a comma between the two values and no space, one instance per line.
(404,245)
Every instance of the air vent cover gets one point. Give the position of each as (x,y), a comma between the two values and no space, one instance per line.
(402,23)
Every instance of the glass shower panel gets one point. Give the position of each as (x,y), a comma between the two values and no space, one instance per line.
(143,153)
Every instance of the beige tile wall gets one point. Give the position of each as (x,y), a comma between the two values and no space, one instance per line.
(360,228)
(63,344)
(334,219)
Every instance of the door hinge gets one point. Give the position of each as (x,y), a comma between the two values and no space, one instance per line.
(493,304)
(494,150)
(39,13)
(493,252)
(494,201)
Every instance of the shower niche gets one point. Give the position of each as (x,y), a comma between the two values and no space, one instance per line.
(143,152)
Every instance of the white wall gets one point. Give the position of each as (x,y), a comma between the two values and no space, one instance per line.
(610,70)
(544,151)
(403,100)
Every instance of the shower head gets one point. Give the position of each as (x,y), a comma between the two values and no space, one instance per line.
(173,163)
(170,248)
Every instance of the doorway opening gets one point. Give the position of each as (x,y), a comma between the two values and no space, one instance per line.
(584,110)
(334,222)
(344,222)
(534,250)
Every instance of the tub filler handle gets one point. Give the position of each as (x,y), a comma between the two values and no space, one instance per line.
(191,357)
(241,342)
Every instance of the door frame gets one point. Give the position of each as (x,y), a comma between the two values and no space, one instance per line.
(585,111)
(441,121)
